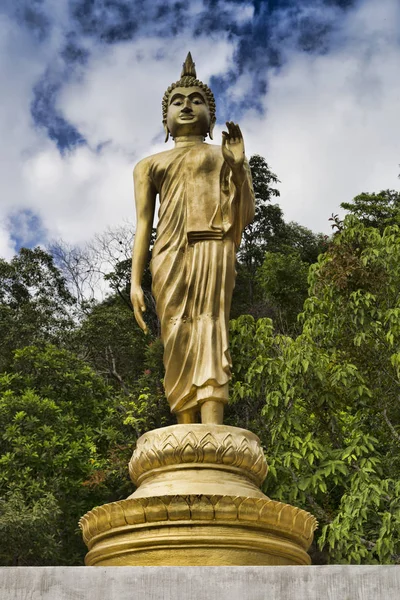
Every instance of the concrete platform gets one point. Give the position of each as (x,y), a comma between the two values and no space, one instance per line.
(200,583)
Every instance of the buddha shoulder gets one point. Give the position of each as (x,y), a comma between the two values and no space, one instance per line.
(146,163)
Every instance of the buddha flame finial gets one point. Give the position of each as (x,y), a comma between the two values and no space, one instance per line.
(189,67)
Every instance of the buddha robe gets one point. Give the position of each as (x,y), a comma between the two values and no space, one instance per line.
(200,222)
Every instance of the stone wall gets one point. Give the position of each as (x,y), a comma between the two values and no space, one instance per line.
(200,583)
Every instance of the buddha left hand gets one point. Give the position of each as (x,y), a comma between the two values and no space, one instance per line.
(233,146)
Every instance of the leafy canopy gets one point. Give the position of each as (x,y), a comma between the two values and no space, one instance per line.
(328,399)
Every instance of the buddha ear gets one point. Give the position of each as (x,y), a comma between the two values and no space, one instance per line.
(166,132)
(211,129)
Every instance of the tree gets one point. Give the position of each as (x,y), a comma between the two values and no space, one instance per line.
(86,268)
(329,398)
(376,210)
(141,407)
(269,233)
(119,280)
(297,239)
(268,221)
(100,272)
(282,279)
(52,411)
(109,339)
(35,304)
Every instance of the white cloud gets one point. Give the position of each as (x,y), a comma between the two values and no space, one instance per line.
(242,13)
(81,193)
(115,102)
(18,136)
(332,127)
(119,97)
(7,249)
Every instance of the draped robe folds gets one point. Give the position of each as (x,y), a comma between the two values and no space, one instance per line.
(201,218)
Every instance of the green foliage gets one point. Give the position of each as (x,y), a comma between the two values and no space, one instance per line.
(329,398)
(268,221)
(296,239)
(29,531)
(269,234)
(282,279)
(140,407)
(34,302)
(76,394)
(268,218)
(376,210)
(112,343)
(354,303)
(52,407)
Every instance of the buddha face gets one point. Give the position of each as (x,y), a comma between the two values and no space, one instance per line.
(188,112)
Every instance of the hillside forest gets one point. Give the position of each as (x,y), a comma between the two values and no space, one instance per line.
(315,342)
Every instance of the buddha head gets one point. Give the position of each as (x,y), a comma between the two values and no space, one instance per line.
(188,105)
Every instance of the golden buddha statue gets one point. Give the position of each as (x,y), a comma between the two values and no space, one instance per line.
(197,499)
(206,200)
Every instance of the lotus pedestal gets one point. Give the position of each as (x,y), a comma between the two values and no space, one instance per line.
(198,502)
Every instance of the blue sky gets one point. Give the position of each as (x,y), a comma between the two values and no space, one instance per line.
(314,85)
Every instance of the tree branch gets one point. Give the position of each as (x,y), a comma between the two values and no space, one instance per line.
(391,427)
(113,370)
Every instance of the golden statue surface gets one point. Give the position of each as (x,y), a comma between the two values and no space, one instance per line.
(206,200)
(198,499)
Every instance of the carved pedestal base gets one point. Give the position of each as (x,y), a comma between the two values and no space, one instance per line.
(198,502)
